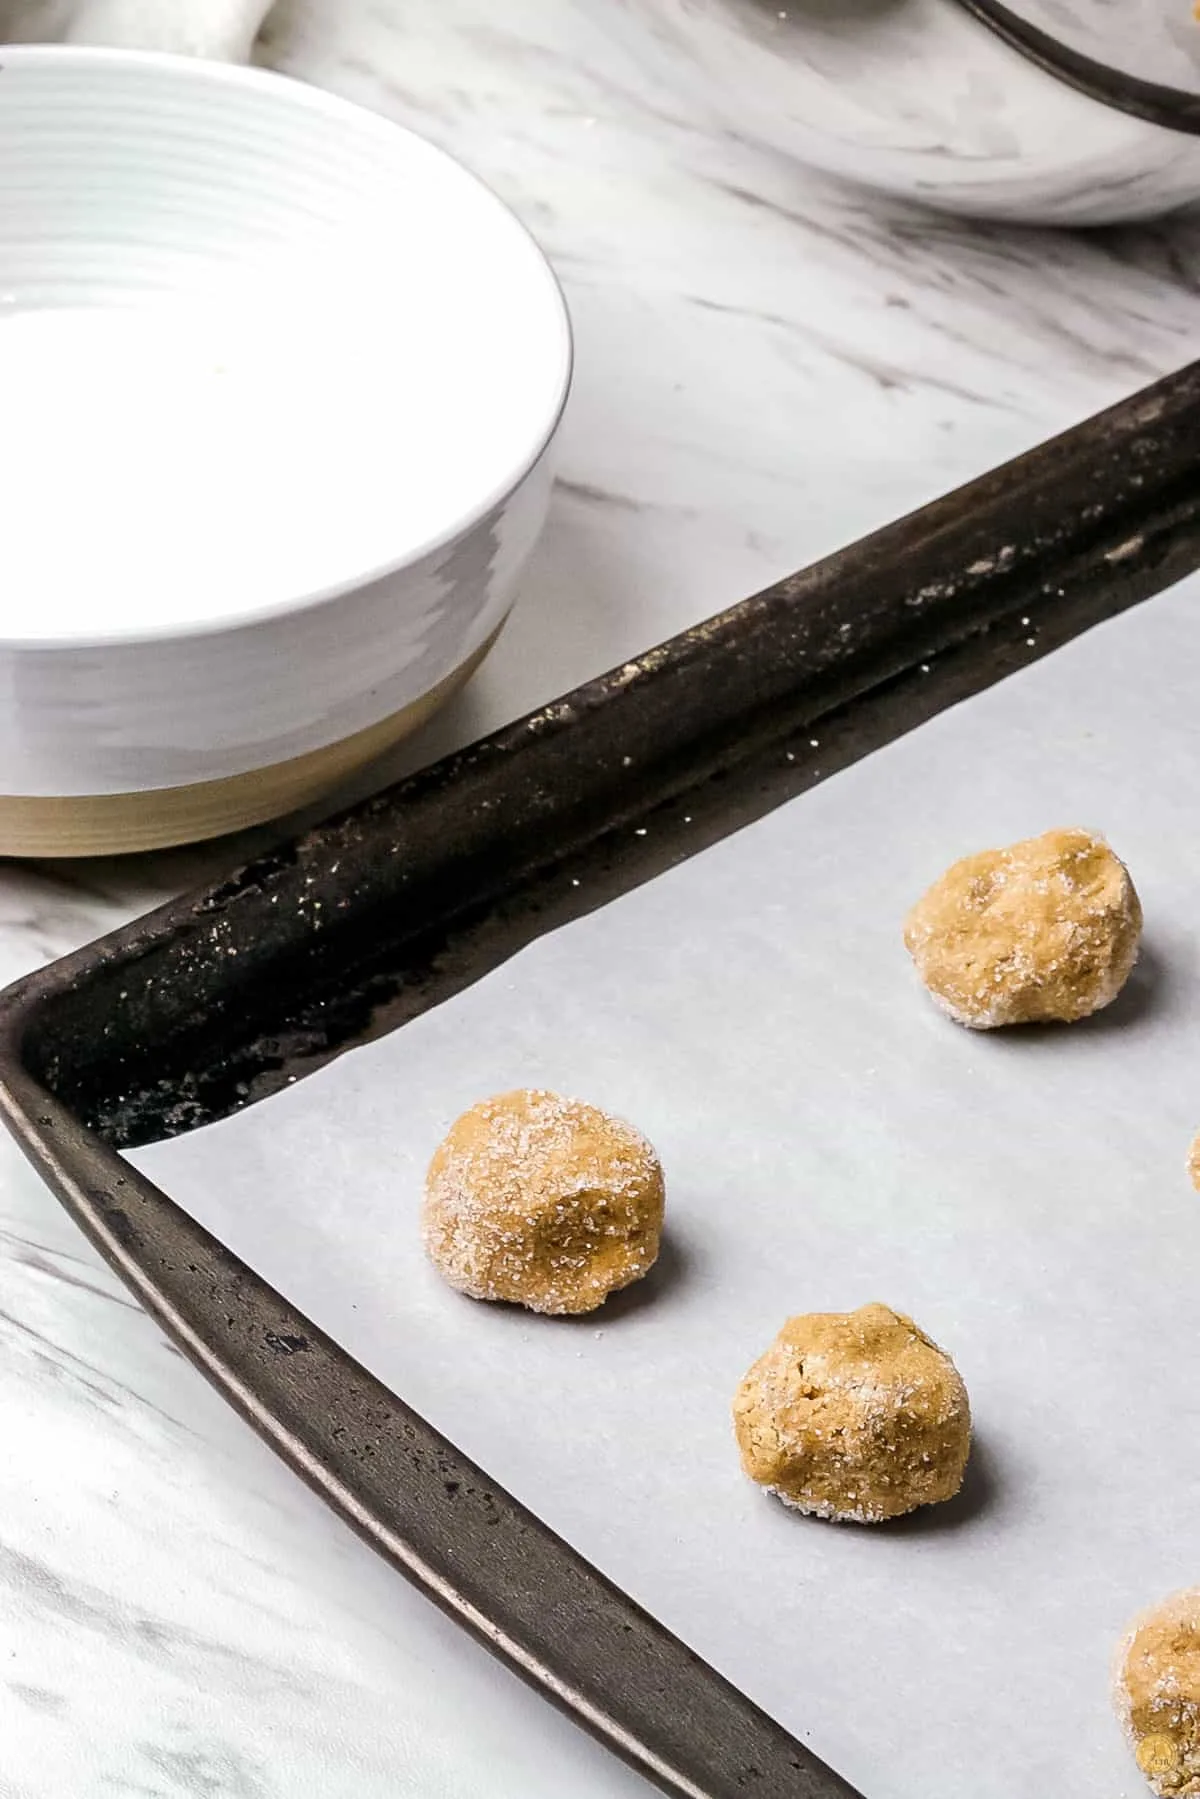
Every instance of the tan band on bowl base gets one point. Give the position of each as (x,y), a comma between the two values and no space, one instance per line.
(114,824)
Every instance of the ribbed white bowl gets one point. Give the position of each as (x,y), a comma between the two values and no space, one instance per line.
(279,381)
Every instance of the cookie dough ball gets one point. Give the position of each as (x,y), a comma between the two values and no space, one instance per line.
(544,1202)
(1045,930)
(1194,1161)
(1158,1694)
(854,1415)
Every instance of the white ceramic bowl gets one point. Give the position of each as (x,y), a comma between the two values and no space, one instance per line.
(279,383)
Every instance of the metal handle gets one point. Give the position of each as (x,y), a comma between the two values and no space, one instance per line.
(1174,108)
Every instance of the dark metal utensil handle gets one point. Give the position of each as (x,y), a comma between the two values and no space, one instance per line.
(1174,108)
(435,1516)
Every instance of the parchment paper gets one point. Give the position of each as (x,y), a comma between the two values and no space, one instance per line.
(830,1139)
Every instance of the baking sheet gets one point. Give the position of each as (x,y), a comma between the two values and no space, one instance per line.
(830,1139)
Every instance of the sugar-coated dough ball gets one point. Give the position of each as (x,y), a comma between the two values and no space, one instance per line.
(1158,1694)
(854,1415)
(1045,930)
(543,1201)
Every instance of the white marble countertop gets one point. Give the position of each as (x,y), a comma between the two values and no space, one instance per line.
(767,367)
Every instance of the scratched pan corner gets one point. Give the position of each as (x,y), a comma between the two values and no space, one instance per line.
(224,997)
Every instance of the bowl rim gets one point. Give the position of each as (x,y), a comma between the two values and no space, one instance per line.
(308,95)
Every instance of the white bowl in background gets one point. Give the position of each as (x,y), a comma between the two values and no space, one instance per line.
(279,383)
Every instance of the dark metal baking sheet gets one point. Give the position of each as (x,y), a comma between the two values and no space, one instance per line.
(217,999)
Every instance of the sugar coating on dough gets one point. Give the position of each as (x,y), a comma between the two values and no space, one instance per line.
(1044,931)
(544,1202)
(1194,1161)
(1158,1694)
(857,1416)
